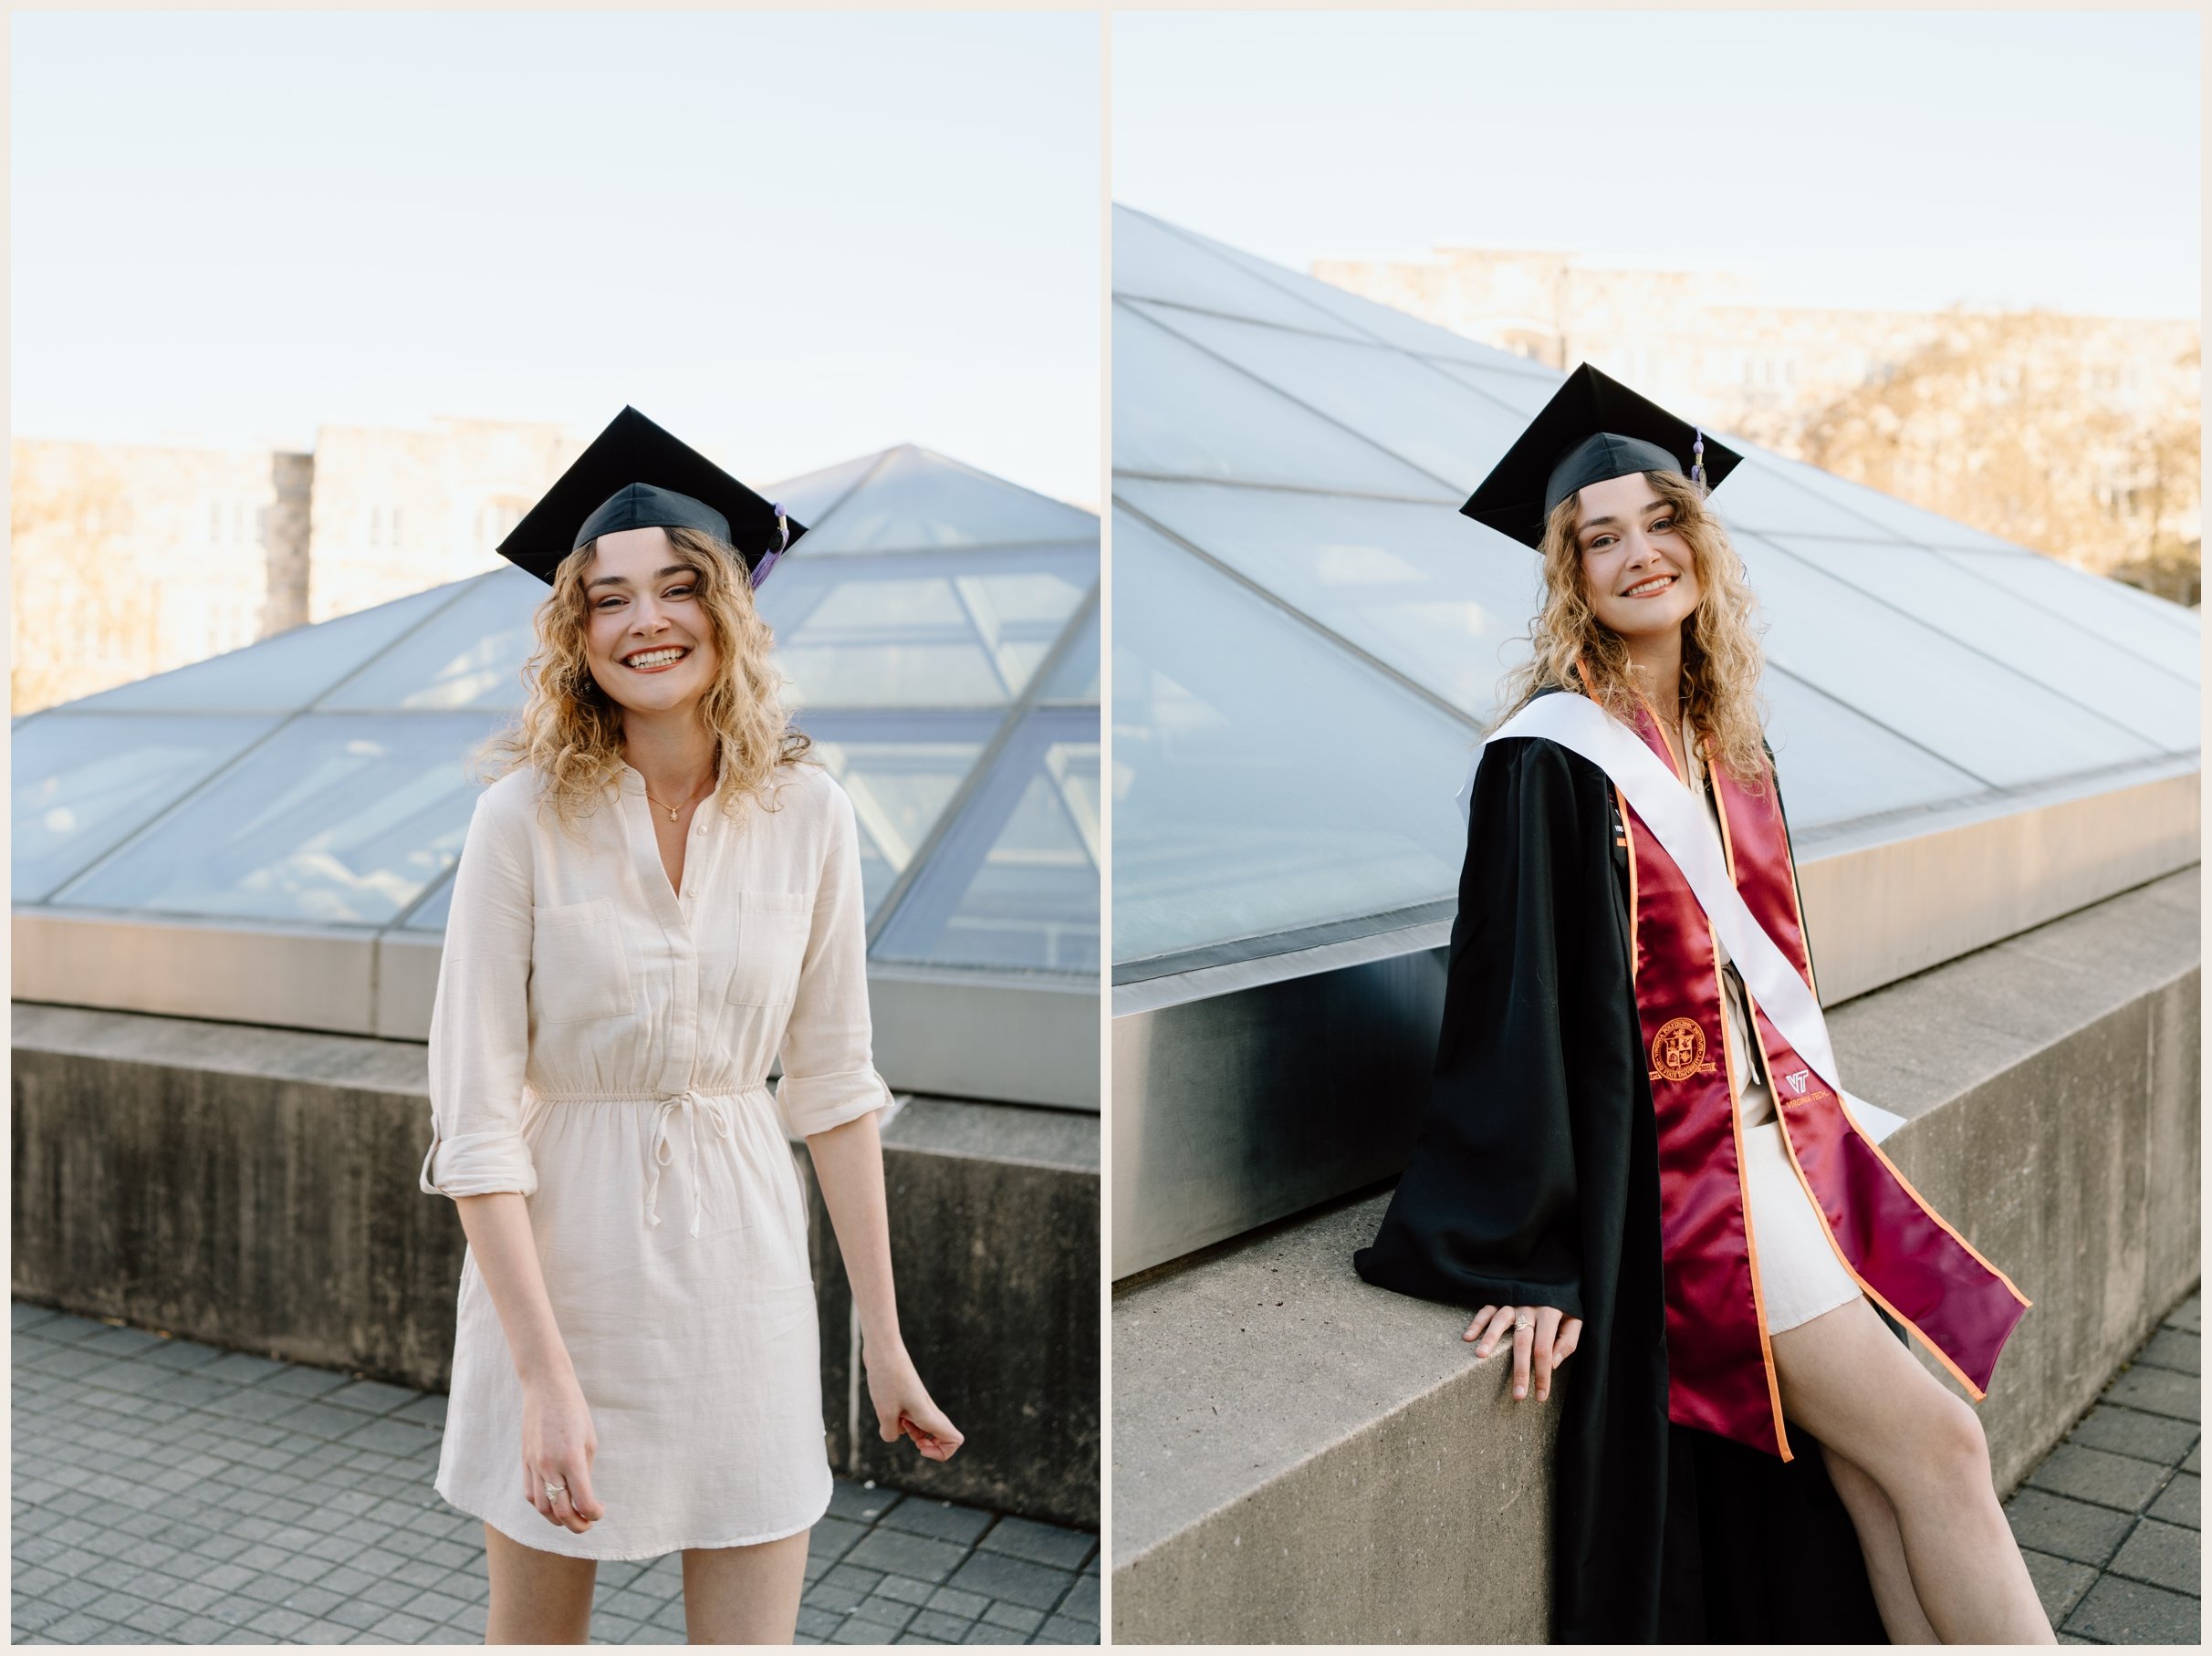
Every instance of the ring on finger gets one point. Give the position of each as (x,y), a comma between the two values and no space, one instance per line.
(1523,1320)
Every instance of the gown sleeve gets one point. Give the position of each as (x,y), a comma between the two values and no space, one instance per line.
(828,1069)
(480,1022)
(1487,1212)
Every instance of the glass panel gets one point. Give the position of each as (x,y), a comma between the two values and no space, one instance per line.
(1753,498)
(1014,884)
(1524,389)
(1364,317)
(900,770)
(1416,412)
(1263,779)
(1997,725)
(1076,678)
(471,656)
(809,496)
(1179,412)
(83,781)
(1898,518)
(1153,261)
(2163,634)
(2073,663)
(341,820)
(919,500)
(955,630)
(277,675)
(430,916)
(1836,766)
(1436,596)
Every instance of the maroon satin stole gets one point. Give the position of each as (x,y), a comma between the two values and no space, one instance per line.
(1908,1261)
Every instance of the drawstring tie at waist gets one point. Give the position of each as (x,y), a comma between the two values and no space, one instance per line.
(692,1104)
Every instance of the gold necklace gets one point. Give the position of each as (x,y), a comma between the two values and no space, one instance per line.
(671,810)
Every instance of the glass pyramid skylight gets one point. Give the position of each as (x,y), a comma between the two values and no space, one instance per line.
(1308,638)
(940,628)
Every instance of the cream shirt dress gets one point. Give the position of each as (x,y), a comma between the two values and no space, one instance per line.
(601,1044)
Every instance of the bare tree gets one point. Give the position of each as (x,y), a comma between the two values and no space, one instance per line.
(2003,423)
(84,614)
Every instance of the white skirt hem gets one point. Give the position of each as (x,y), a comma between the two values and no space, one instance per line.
(629,1555)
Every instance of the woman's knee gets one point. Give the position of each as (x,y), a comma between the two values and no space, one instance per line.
(1947,1440)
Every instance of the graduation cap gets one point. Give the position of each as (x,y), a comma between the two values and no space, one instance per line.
(635,475)
(1594,428)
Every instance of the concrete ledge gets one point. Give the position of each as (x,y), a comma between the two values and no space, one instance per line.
(930,1023)
(1880,908)
(1301,1458)
(255,1189)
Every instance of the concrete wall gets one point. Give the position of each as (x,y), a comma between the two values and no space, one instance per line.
(256,1188)
(1301,1458)
(994,1238)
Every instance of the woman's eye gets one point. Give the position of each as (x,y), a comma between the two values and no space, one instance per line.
(1662,526)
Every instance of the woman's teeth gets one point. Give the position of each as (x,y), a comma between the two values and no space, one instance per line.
(1658,583)
(654,658)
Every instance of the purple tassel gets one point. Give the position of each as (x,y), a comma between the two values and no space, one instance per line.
(767,562)
(1697,459)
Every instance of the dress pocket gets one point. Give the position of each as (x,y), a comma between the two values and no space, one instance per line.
(579,968)
(772,931)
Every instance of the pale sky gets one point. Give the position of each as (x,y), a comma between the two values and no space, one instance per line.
(790,238)
(1872,159)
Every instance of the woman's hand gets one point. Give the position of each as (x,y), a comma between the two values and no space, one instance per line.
(1542,1339)
(902,1406)
(558,1445)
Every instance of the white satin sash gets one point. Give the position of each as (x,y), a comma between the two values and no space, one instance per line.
(1676,819)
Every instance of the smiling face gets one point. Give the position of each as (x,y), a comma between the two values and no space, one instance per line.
(1639,572)
(648,642)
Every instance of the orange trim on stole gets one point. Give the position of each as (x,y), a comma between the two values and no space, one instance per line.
(1866,1288)
(1736,1123)
(1743,1195)
(1827,1230)
(1921,1202)
(1629,840)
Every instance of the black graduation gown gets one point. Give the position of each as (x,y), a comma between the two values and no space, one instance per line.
(1535,1180)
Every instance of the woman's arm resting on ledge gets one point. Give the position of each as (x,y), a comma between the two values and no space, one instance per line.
(1545,1341)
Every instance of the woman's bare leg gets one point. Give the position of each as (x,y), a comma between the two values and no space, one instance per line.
(1844,1375)
(538,1597)
(1876,1521)
(745,1595)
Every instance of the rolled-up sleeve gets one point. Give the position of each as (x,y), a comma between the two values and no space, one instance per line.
(480,1023)
(828,1069)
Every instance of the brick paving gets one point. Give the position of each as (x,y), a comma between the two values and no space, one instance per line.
(2108,1522)
(167,1492)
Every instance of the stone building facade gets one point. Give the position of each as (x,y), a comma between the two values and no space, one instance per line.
(129,559)
(397,511)
(2076,435)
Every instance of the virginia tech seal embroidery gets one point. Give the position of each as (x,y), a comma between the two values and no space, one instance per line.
(1678,1050)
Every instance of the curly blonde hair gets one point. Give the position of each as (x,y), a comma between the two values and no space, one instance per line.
(1721,658)
(570,730)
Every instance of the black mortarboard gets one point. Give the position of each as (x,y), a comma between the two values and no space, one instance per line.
(635,475)
(1594,428)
